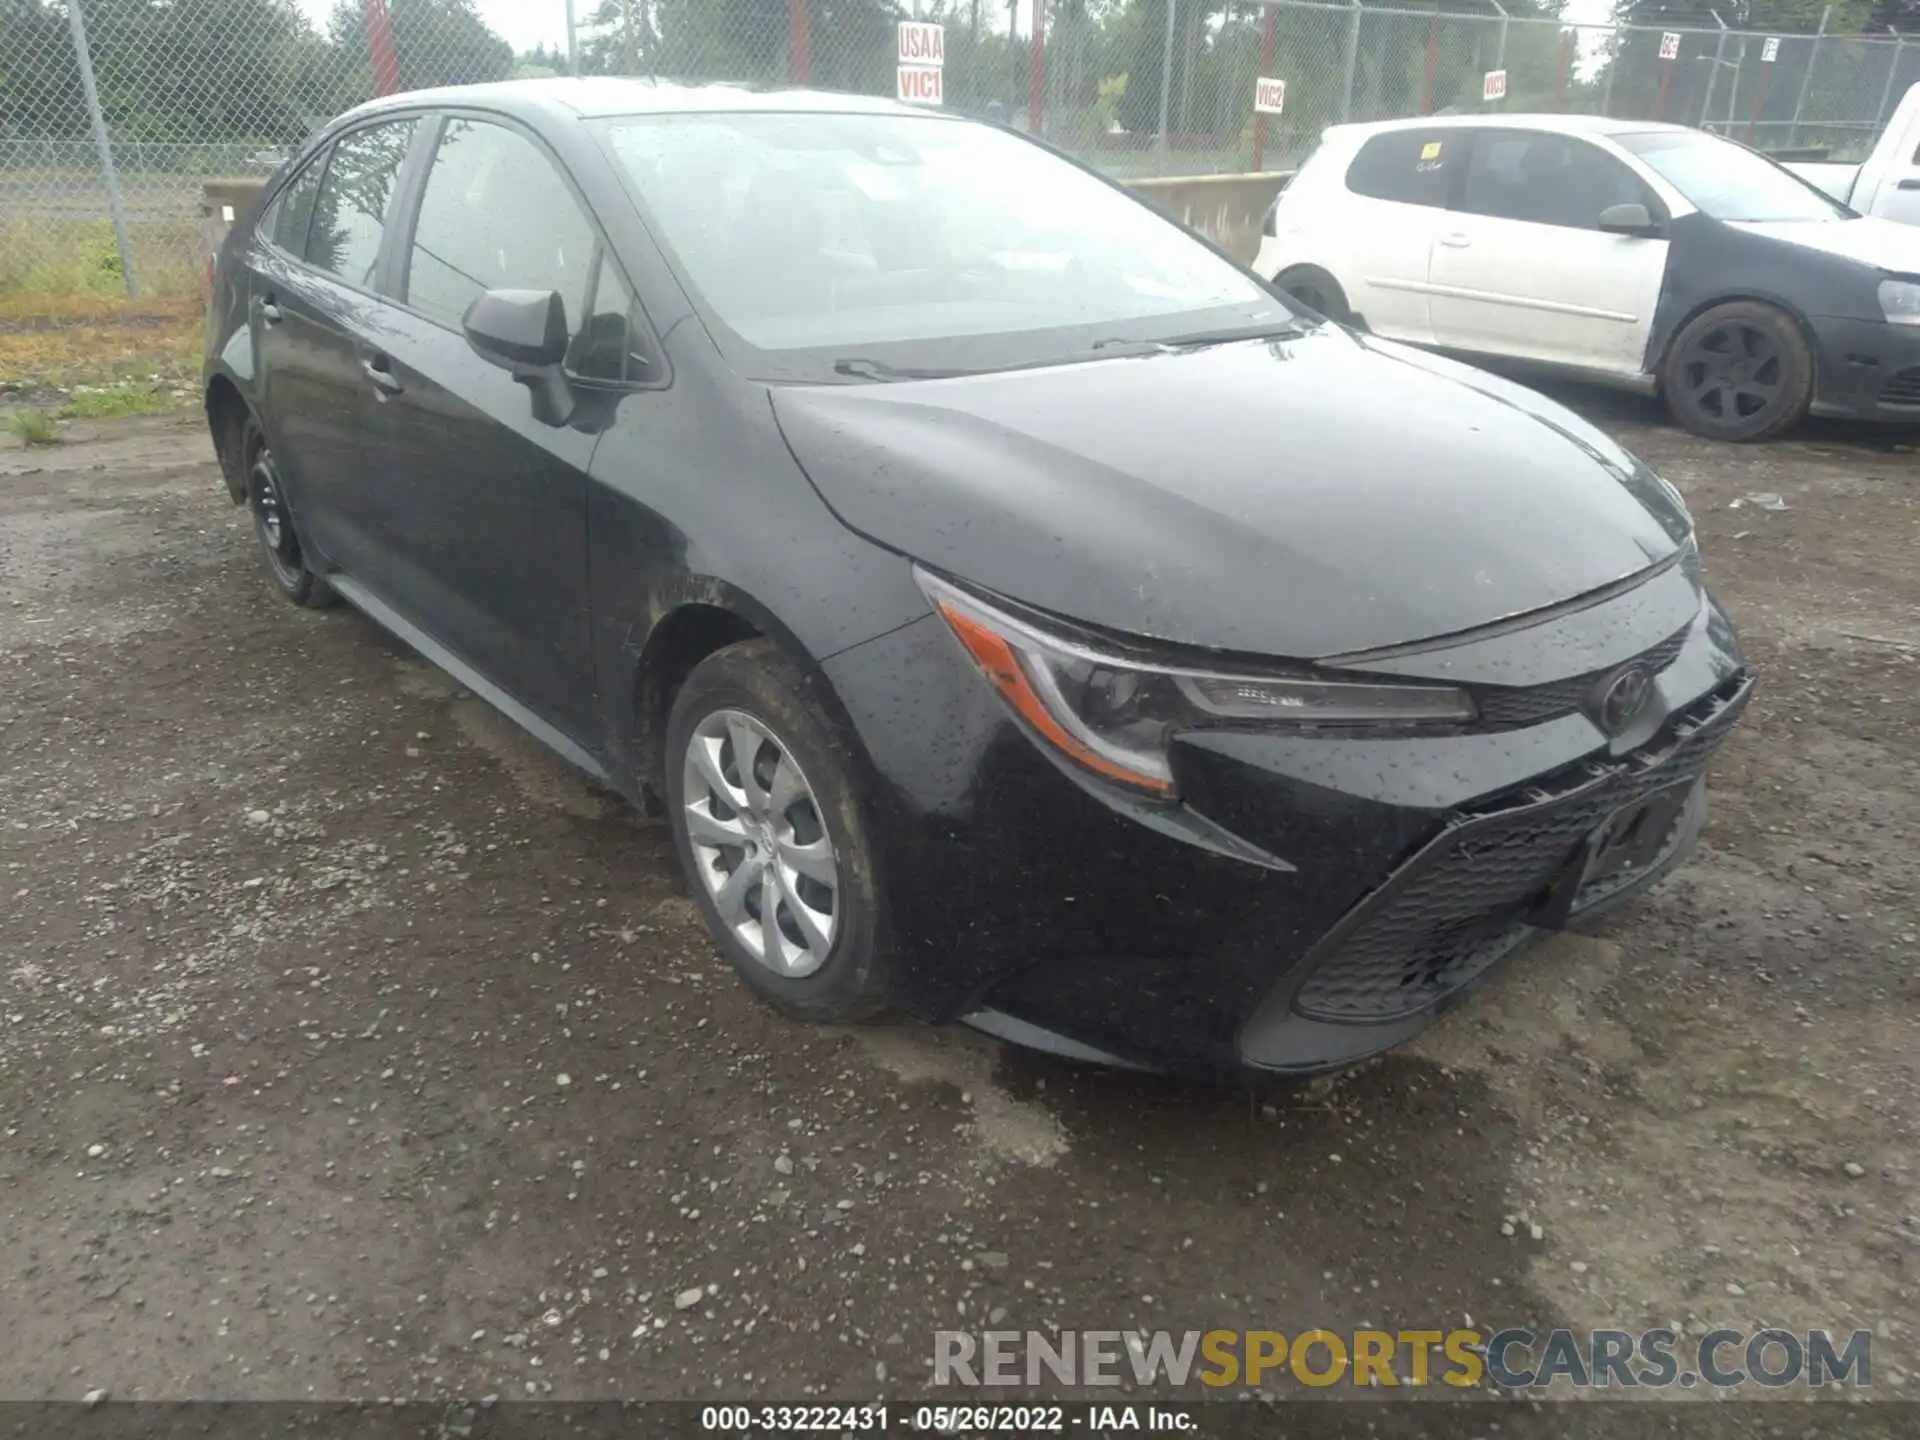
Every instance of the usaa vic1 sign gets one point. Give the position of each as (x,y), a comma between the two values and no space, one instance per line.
(923,53)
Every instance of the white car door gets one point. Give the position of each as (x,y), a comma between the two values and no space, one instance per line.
(1521,268)
(1376,236)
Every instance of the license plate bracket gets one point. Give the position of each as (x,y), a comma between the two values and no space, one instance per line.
(1629,839)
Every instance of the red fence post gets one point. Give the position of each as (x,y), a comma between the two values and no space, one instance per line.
(799,43)
(1037,70)
(1666,83)
(1269,23)
(1433,64)
(380,48)
(1560,76)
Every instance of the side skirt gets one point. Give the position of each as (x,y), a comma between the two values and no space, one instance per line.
(387,618)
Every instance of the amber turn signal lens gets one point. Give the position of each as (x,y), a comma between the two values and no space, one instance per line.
(996,659)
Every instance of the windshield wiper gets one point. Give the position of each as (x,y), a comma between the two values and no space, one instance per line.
(1198,338)
(862,368)
(1280,330)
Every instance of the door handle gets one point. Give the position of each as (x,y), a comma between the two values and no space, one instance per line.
(375,368)
(267,311)
(1456,240)
(1908,185)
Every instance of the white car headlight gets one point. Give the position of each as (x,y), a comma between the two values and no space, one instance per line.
(1900,301)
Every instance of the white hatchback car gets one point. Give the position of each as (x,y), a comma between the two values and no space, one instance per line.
(1652,256)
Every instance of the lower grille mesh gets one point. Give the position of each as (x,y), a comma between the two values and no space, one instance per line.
(1456,907)
(1903,389)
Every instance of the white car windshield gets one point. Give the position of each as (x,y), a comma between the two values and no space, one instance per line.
(917,240)
(1728,181)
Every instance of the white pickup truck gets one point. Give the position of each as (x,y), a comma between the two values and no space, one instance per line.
(1888,184)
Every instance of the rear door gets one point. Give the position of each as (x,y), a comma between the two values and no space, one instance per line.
(312,296)
(486,506)
(1520,266)
(1396,192)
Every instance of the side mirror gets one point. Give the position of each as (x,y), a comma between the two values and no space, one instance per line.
(525,333)
(1628,219)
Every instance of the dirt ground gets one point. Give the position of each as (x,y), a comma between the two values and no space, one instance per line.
(350,1046)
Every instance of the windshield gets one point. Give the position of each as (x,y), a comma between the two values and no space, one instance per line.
(1729,181)
(915,243)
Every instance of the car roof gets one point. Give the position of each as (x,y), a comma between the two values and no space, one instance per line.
(1560,124)
(600,96)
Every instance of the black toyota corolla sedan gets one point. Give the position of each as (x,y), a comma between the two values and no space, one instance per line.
(1019,613)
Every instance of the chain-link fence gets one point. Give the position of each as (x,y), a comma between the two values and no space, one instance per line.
(115,113)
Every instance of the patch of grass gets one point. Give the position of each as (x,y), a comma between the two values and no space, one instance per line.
(111,402)
(65,341)
(31,427)
(80,258)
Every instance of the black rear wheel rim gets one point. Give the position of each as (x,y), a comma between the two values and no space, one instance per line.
(272,523)
(1733,374)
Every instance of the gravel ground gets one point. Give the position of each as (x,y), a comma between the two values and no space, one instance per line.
(351,1047)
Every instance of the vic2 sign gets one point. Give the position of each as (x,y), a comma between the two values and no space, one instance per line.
(1269,96)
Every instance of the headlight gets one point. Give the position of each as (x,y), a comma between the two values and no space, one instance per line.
(1900,301)
(1114,714)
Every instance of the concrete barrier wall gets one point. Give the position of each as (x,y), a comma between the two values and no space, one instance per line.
(1227,209)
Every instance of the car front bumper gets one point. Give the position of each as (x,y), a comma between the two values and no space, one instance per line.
(1867,370)
(1311,901)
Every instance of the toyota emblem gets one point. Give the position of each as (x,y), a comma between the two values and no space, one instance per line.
(1622,696)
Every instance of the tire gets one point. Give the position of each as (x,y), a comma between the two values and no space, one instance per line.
(273,526)
(824,963)
(1739,371)
(1317,290)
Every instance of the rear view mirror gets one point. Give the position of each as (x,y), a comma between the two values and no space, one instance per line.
(524,332)
(1628,219)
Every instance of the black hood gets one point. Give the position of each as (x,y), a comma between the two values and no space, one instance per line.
(1302,497)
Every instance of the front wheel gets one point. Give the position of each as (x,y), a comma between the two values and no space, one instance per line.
(768,815)
(1740,371)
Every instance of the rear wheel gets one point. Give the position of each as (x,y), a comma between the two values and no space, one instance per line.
(1740,371)
(768,815)
(273,526)
(1317,290)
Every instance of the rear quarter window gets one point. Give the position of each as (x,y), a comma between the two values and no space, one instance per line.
(1414,167)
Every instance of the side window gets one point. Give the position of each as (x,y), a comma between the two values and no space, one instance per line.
(495,215)
(608,346)
(293,209)
(1414,167)
(355,197)
(1546,179)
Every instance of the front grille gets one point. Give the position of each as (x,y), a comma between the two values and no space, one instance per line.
(1459,904)
(1512,708)
(1903,389)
